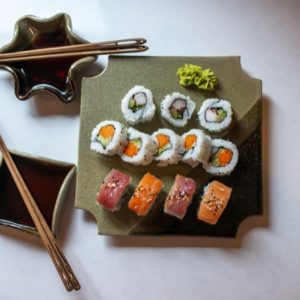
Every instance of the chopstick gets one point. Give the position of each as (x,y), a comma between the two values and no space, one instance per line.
(63,268)
(88,49)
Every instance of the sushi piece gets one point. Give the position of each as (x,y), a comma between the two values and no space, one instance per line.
(111,190)
(180,196)
(214,201)
(215,115)
(137,105)
(109,137)
(145,194)
(195,147)
(177,109)
(139,149)
(223,158)
(167,144)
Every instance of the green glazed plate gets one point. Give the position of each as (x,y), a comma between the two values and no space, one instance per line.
(101,101)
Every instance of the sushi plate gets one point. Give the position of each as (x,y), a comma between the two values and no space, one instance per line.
(100,101)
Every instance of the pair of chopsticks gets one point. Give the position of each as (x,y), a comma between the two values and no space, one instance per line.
(88,49)
(63,268)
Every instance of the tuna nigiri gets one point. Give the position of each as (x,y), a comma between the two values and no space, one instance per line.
(145,194)
(180,196)
(111,190)
(214,201)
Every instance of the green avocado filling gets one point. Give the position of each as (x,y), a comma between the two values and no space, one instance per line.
(215,160)
(163,149)
(193,75)
(222,114)
(137,102)
(215,115)
(137,142)
(175,113)
(104,141)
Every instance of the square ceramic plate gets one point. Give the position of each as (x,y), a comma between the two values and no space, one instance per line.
(101,98)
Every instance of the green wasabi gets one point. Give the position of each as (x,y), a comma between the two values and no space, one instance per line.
(203,79)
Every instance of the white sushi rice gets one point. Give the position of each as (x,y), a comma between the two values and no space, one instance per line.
(200,152)
(145,154)
(169,156)
(226,170)
(167,103)
(215,103)
(117,143)
(142,115)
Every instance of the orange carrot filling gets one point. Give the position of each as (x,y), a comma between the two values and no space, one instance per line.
(162,140)
(190,141)
(132,148)
(224,156)
(107,131)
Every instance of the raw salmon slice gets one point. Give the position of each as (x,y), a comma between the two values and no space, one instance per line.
(145,194)
(214,201)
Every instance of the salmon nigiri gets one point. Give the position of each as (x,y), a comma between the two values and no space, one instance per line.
(145,194)
(214,201)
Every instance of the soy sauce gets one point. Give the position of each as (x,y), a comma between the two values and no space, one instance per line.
(44,182)
(45,72)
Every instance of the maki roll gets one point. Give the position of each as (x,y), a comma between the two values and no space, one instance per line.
(111,190)
(195,147)
(180,196)
(167,144)
(214,201)
(109,137)
(139,149)
(223,158)
(137,105)
(177,109)
(145,194)
(215,115)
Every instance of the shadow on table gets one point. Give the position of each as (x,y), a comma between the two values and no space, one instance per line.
(248,224)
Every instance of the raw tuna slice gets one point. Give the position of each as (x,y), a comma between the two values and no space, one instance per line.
(180,196)
(111,190)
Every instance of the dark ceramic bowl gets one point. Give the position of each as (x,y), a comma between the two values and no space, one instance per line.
(55,75)
(49,183)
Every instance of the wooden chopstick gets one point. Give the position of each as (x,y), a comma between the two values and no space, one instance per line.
(63,268)
(109,47)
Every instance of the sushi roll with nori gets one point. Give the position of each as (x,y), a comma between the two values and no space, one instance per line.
(167,144)
(223,158)
(177,109)
(215,115)
(112,189)
(180,196)
(109,137)
(139,149)
(195,147)
(137,105)
(214,200)
(145,194)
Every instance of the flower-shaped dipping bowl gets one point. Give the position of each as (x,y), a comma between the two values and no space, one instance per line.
(49,183)
(56,75)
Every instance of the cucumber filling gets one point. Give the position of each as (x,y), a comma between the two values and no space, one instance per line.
(137,102)
(163,149)
(104,141)
(215,115)
(178,108)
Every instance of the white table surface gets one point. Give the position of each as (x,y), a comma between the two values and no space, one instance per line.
(265,263)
